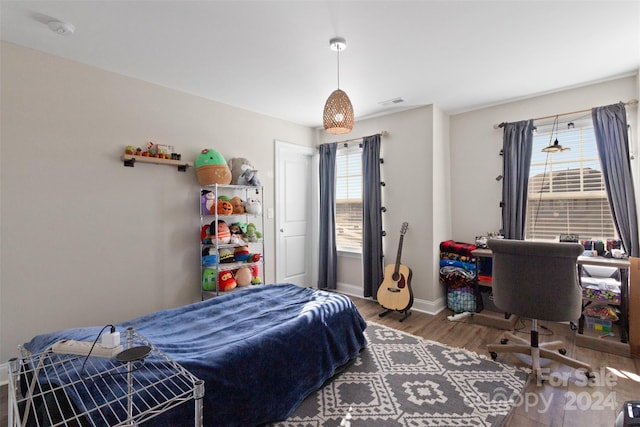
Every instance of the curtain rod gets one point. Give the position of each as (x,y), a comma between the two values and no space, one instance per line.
(501,125)
(381,133)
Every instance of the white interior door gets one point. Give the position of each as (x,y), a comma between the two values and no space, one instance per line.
(295,216)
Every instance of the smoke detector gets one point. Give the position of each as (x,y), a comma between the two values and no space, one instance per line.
(62,28)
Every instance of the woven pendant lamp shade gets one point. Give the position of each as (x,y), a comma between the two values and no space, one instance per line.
(338,113)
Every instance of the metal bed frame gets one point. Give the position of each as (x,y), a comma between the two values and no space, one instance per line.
(149,391)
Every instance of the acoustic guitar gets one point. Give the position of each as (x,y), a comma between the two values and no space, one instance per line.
(395,292)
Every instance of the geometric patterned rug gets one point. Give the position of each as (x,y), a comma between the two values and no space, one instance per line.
(404,380)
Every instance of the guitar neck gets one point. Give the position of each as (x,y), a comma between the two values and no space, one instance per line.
(399,256)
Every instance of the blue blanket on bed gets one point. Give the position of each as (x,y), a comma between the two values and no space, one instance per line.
(260,350)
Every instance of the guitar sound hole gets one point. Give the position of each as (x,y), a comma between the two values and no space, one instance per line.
(395,277)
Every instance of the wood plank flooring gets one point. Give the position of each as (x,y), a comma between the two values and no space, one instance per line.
(563,402)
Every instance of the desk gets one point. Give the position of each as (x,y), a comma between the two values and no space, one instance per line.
(585,339)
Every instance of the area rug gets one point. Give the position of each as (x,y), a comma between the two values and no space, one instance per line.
(404,380)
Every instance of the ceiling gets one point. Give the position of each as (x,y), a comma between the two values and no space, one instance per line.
(273,57)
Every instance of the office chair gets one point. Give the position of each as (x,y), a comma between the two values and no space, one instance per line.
(540,281)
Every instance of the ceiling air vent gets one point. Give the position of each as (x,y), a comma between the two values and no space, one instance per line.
(393,101)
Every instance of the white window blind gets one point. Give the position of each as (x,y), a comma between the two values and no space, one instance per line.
(566,190)
(349,199)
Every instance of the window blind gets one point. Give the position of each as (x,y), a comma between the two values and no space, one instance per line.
(349,198)
(566,189)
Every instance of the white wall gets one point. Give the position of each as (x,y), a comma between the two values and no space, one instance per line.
(415,154)
(475,147)
(86,241)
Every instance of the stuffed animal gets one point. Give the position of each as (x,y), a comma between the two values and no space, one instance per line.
(238,205)
(205,234)
(235,229)
(226,281)
(220,231)
(242,225)
(236,239)
(235,165)
(209,256)
(224,207)
(209,279)
(243,276)
(252,235)
(241,253)
(226,255)
(249,176)
(253,207)
(208,200)
(211,168)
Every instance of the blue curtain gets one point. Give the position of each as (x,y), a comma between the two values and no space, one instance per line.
(327,257)
(373,272)
(517,144)
(612,138)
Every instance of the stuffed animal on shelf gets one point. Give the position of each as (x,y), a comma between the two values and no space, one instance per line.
(211,168)
(208,201)
(241,253)
(236,239)
(238,205)
(226,281)
(209,256)
(224,207)
(249,177)
(243,276)
(235,229)
(253,207)
(226,255)
(205,234)
(220,231)
(252,235)
(209,279)
(235,165)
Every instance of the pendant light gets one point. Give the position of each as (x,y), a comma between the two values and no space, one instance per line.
(338,111)
(555,147)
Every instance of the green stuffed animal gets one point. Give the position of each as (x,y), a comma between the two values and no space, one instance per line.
(252,235)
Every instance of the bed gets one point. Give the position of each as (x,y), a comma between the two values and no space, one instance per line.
(260,350)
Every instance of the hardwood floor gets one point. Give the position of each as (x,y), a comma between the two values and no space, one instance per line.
(563,402)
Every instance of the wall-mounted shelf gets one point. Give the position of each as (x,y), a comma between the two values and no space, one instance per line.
(130,160)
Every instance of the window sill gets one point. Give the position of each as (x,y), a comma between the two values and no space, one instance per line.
(349,254)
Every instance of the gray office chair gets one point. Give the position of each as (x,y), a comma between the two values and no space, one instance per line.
(540,281)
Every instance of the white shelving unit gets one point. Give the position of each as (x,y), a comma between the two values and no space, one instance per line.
(130,392)
(211,260)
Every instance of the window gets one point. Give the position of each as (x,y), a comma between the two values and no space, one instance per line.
(349,199)
(566,189)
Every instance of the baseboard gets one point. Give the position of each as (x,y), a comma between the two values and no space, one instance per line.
(423,306)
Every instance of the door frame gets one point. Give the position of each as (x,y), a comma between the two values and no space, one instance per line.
(281,147)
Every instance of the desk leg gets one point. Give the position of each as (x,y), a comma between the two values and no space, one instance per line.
(624,304)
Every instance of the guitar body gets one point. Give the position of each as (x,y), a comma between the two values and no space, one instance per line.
(395,293)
